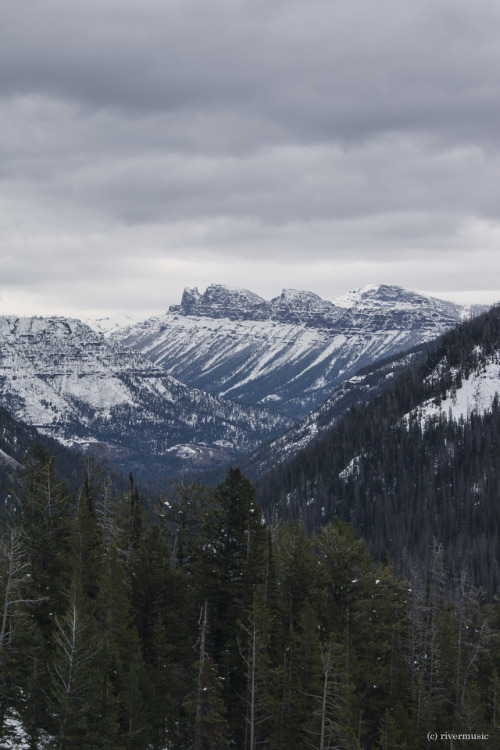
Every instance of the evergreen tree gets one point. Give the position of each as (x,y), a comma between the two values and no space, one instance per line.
(238,569)
(75,676)
(119,650)
(90,550)
(47,527)
(335,703)
(365,608)
(254,643)
(45,522)
(14,572)
(162,606)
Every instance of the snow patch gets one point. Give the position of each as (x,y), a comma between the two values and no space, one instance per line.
(476,395)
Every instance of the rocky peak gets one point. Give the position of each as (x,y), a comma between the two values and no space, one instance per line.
(371,308)
(377,295)
(292,306)
(296,306)
(219,301)
(190,298)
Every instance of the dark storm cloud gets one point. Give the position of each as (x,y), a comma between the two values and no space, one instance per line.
(208,129)
(315,70)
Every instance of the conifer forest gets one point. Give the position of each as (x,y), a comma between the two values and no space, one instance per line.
(193,624)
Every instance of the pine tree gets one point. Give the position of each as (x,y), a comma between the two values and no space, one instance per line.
(90,550)
(254,643)
(46,524)
(335,701)
(162,605)
(295,655)
(14,567)
(48,532)
(14,571)
(119,650)
(238,569)
(75,676)
(365,608)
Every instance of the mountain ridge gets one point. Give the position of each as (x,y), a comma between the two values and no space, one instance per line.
(290,352)
(70,382)
(187,391)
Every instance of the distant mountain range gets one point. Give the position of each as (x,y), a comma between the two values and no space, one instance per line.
(68,381)
(212,379)
(289,353)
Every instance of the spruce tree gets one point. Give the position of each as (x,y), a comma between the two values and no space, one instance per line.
(162,608)
(238,568)
(46,523)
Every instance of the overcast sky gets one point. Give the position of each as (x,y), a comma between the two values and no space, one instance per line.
(149,145)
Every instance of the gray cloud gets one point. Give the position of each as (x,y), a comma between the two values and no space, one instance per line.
(197,136)
(321,70)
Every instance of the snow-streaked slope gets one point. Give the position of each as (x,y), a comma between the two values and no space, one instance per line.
(70,382)
(358,389)
(291,352)
(473,394)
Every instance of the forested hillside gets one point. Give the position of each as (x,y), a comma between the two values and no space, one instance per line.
(419,462)
(17,438)
(200,627)
(364,385)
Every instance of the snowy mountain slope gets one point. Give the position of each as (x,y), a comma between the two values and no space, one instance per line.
(382,297)
(291,352)
(416,461)
(358,389)
(463,396)
(472,394)
(110,324)
(17,438)
(457,394)
(70,382)
(452,379)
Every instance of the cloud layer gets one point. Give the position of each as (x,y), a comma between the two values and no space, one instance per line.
(315,143)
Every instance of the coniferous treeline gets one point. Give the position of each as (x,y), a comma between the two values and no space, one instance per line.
(201,627)
(402,481)
(17,438)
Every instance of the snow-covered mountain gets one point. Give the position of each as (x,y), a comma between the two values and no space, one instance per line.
(67,380)
(465,396)
(290,352)
(121,384)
